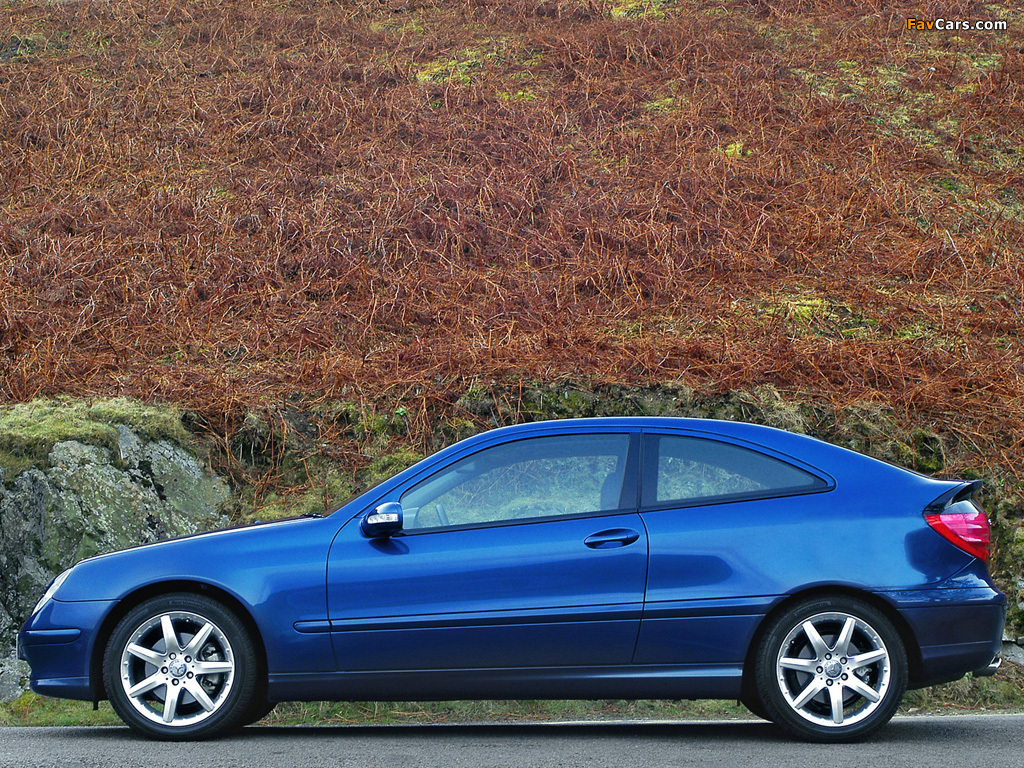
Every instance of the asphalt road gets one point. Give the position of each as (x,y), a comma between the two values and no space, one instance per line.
(993,741)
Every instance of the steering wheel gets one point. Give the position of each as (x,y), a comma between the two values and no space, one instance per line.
(442,516)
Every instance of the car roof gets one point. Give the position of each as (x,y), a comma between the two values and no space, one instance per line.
(737,429)
(779,440)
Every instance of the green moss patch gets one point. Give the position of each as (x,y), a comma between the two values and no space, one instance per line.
(817,315)
(520,95)
(667,104)
(737,149)
(19,49)
(459,69)
(28,431)
(641,9)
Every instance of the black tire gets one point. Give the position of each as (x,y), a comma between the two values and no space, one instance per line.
(831,670)
(259,709)
(754,704)
(190,649)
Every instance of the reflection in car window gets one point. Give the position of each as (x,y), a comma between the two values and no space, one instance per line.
(691,469)
(538,477)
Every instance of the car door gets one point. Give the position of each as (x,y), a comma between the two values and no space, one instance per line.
(526,553)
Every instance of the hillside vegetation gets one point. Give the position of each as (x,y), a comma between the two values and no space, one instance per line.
(223,204)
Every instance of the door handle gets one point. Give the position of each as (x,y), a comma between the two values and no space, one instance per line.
(615,537)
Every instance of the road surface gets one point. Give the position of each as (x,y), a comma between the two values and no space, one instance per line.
(992,741)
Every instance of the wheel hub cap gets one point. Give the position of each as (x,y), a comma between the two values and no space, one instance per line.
(833,668)
(177,668)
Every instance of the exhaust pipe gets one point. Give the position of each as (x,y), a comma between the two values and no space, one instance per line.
(990,669)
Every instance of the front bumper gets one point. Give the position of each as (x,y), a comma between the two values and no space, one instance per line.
(58,643)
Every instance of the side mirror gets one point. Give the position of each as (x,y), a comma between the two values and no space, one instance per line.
(383,521)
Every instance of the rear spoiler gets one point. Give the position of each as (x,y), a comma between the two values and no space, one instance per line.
(960,492)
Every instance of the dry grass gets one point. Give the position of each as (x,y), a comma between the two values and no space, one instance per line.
(225,203)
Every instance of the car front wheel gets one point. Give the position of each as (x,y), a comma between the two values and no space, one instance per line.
(180,666)
(831,670)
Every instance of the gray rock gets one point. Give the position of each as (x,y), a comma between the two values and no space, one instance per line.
(13,678)
(129,446)
(6,622)
(179,480)
(1013,652)
(88,502)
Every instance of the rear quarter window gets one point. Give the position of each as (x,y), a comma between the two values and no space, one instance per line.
(690,470)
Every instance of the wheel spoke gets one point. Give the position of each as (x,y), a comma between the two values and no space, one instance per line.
(820,649)
(865,690)
(170,638)
(212,667)
(147,685)
(835,694)
(171,702)
(864,659)
(843,643)
(808,693)
(197,642)
(800,665)
(193,687)
(154,658)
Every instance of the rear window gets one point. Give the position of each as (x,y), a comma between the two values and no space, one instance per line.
(690,470)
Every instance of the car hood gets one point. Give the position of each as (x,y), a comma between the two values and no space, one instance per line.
(201,535)
(214,557)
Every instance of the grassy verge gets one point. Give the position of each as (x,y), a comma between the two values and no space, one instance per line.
(497,711)
(31,709)
(1002,693)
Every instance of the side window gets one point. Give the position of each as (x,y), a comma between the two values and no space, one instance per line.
(537,477)
(691,470)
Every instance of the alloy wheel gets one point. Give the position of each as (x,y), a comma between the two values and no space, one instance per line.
(833,669)
(177,668)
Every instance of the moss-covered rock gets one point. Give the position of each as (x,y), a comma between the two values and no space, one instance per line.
(29,431)
(85,503)
(81,479)
(388,465)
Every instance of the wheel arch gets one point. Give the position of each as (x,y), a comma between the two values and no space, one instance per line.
(129,601)
(907,637)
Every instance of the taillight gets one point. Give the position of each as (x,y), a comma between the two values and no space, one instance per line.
(964,524)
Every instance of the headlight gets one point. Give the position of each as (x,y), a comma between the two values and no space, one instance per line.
(54,586)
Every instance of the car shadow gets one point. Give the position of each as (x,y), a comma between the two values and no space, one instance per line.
(933,730)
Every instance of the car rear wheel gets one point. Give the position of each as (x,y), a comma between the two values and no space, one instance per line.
(181,666)
(831,670)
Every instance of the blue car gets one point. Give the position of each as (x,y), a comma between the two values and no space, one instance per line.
(595,558)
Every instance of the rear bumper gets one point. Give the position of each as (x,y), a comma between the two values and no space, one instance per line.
(955,638)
